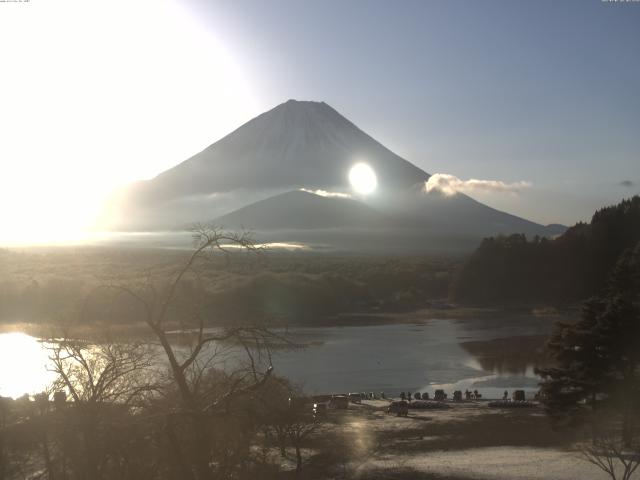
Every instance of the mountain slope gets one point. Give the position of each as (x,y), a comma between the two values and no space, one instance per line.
(304,145)
(462,214)
(296,144)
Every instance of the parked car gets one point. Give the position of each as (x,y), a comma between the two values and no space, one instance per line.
(339,402)
(400,408)
(357,397)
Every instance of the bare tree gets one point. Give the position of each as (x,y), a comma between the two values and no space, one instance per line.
(101,372)
(299,429)
(289,418)
(615,456)
(198,401)
(105,381)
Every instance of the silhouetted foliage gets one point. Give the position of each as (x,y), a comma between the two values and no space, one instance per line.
(597,359)
(569,268)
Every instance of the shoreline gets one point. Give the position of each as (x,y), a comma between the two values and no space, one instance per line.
(348,319)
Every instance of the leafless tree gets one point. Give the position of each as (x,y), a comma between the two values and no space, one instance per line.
(617,456)
(299,429)
(289,418)
(102,372)
(105,381)
(198,401)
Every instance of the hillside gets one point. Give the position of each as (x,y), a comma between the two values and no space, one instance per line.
(570,268)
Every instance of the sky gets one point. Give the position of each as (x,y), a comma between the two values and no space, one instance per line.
(542,95)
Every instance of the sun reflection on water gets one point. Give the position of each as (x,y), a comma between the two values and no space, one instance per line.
(23,365)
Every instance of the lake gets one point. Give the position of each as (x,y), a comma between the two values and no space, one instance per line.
(382,358)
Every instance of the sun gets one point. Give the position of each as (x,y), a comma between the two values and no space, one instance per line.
(363,179)
(104,118)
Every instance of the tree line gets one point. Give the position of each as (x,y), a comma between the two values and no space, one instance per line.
(564,270)
(51,287)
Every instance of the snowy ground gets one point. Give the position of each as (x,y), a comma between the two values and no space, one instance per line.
(467,441)
(512,463)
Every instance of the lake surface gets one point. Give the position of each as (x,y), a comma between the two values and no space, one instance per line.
(421,357)
(382,358)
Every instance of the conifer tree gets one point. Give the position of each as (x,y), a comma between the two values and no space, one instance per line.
(597,359)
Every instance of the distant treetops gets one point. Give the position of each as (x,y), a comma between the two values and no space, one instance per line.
(570,268)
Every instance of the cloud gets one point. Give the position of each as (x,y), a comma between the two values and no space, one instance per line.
(324,193)
(450,184)
(627,183)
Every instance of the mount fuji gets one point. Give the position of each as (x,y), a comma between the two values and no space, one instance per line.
(286,174)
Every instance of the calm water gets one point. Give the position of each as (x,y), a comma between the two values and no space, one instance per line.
(388,358)
(395,358)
